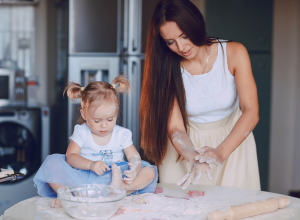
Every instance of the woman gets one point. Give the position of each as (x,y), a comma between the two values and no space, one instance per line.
(199,102)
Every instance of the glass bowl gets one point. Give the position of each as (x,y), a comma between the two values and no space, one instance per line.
(91,201)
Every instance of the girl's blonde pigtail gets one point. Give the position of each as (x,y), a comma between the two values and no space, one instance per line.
(124,84)
(74,91)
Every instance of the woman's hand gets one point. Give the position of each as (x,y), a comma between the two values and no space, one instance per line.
(184,146)
(99,167)
(195,174)
(134,168)
(211,156)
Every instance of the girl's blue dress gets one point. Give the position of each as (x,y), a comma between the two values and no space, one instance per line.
(55,169)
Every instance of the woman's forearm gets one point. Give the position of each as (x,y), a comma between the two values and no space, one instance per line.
(78,162)
(240,131)
(184,146)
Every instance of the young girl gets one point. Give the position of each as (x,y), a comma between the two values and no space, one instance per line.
(96,150)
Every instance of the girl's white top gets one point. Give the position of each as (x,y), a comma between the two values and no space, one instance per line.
(211,96)
(112,152)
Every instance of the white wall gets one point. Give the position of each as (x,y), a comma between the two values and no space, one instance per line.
(200,5)
(284,172)
(296,168)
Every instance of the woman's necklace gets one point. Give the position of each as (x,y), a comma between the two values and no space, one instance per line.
(208,52)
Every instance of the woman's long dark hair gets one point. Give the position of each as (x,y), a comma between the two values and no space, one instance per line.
(162,81)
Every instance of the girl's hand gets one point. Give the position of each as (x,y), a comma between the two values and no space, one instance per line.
(99,167)
(131,174)
(134,166)
(211,156)
(195,174)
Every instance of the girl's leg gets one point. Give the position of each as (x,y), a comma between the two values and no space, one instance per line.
(55,203)
(143,179)
(55,187)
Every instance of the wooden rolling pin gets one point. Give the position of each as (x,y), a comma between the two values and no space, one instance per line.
(250,209)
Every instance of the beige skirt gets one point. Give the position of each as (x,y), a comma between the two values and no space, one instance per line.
(239,170)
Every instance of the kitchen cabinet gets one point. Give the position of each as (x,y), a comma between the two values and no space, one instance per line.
(250,23)
(244,21)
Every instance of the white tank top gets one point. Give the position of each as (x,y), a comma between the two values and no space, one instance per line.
(211,96)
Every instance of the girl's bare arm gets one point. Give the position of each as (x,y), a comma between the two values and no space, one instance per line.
(75,160)
(134,162)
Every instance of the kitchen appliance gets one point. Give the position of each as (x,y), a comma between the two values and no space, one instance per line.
(83,70)
(24,144)
(19,2)
(12,87)
(106,39)
(10,177)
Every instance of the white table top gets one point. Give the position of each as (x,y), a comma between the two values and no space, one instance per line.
(216,198)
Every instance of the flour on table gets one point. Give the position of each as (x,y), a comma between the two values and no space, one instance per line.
(138,199)
(160,207)
(43,206)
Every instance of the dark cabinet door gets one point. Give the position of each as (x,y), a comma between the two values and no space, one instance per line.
(246,21)
(261,67)
(250,23)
